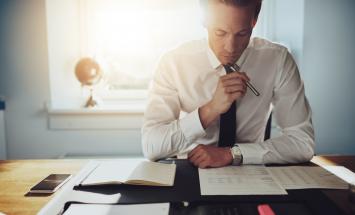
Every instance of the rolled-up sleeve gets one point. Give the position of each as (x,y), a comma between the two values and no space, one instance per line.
(164,134)
(292,114)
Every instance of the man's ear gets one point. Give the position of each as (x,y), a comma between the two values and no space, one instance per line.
(254,22)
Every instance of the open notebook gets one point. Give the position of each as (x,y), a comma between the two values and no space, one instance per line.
(131,171)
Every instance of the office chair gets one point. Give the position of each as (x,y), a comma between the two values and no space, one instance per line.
(268,128)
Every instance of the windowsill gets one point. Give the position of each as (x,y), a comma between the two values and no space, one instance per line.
(95,111)
(123,115)
(123,107)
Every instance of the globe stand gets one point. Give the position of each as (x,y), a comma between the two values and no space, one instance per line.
(88,72)
(91,102)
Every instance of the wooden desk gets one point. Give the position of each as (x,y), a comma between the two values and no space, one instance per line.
(18,176)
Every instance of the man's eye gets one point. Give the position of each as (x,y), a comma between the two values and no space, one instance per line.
(220,33)
(243,33)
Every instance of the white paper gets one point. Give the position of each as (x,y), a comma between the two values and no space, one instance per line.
(303,177)
(153,173)
(132,171)
(238,180)
(342,172)
(101,209)
(112,171)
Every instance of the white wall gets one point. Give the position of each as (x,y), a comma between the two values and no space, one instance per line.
(25,83)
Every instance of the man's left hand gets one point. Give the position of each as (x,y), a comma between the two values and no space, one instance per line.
(210,156)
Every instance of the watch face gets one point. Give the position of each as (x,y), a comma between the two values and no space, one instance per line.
(237,155)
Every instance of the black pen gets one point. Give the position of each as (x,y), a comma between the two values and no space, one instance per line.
(236,68)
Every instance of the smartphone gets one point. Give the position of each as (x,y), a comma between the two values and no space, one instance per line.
(50,184)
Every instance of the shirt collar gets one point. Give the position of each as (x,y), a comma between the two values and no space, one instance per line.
(212,58)
(215,62)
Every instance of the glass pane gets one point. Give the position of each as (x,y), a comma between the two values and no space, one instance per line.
(128,37)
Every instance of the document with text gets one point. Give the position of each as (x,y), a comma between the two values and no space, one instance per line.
(303,177)
(239,180)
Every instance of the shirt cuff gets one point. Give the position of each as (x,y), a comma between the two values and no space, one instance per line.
(183,154)
(252,153)
(191,126)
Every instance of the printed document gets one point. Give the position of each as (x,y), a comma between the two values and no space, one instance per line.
(303,177)
(239,180)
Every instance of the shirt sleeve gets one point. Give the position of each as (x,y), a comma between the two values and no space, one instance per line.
(292,114)
(164,134)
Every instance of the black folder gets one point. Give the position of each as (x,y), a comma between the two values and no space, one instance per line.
(184,197)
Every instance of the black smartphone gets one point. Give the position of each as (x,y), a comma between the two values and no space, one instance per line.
(50,184)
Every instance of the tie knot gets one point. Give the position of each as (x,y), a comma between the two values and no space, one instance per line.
(228,68)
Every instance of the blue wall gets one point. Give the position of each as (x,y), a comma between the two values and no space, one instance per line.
(321,36)
(329,72)
(321,32)
(25,85)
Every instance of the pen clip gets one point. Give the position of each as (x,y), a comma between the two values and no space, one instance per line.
(235,67)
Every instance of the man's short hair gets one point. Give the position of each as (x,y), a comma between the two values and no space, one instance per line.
(238,3)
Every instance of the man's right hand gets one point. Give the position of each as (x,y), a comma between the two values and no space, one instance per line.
(230,88)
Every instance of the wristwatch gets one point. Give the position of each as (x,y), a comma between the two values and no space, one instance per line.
(237,156)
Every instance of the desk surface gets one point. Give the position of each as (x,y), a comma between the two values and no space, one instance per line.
(18,176)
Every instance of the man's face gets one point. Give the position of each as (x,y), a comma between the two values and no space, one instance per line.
(229,29)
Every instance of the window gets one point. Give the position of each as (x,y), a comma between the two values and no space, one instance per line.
(127,39)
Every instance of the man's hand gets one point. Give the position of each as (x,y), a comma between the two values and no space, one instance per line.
(210,156)
(230,88)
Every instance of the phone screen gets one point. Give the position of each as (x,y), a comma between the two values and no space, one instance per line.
(50,184)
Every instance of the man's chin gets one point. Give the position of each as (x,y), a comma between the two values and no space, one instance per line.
(228,60)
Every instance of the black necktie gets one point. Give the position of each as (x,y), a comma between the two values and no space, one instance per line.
(227,125)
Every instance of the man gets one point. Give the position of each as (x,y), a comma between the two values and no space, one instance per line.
(193,79)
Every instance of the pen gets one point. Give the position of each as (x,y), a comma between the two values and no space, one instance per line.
(235,68)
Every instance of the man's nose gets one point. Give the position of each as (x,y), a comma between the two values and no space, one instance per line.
(229,44)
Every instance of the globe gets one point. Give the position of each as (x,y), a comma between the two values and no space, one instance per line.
(88,72)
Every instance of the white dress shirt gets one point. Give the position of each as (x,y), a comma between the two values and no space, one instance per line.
(186,79)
